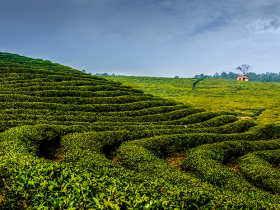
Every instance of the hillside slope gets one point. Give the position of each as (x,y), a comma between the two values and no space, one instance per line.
(258,100)
(70,140)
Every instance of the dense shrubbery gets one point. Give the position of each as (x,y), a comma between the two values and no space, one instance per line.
(70,140)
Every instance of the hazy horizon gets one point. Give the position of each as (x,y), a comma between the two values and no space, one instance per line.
(164,38)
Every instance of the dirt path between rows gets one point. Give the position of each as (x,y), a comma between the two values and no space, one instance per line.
(245,117)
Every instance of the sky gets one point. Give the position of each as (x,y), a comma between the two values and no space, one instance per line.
(156,38)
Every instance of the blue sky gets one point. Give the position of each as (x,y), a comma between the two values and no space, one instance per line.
(159,38)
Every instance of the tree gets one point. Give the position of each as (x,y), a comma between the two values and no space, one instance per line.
(217,76)
(253,76)
(201,76)
(244,68)
(176,77)
(84,71)
(232,75)
(224,75)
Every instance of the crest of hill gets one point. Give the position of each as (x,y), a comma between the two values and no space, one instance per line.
(14,63)
(19,62)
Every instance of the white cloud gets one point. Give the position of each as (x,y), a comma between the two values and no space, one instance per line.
(268,25)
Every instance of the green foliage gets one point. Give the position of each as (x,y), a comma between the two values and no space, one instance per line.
(261,169)
(267,77)
(196,83)
(243,98)
(70,140)
(270,131)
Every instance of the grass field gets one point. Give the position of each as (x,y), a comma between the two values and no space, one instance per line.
(70,140)
(258,100)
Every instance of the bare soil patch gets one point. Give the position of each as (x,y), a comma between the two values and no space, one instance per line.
(245,117)
(175,159)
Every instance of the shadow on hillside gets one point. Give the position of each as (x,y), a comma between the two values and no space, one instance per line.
(110,151)
(48,148)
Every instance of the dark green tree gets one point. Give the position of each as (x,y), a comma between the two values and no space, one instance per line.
(216,76)
(252,76)
(224,75)
(232,75)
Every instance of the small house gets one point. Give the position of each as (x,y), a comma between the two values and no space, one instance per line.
(243,78)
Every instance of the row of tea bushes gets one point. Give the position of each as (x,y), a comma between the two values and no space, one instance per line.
(87,107)
(18,80)
(55,81)
(63,86)
(140,159)
(173,115)
(214,122)
(164,145)
(195,118)
(51,80)
(208,162)
(95,126)
(258,169)
(46,112)
(84,118)
(77,100)
(235,127)
(87,94)
(86,150)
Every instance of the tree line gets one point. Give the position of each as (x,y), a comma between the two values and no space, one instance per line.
(102,74)
(267,77)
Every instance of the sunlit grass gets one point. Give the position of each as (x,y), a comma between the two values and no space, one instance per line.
(244,97)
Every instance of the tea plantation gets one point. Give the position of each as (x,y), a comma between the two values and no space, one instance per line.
(70,140)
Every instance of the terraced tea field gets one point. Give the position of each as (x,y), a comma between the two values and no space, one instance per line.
(70,140)
(258,100)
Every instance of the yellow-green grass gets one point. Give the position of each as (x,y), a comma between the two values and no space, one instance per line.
(70,140)
(243,97)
